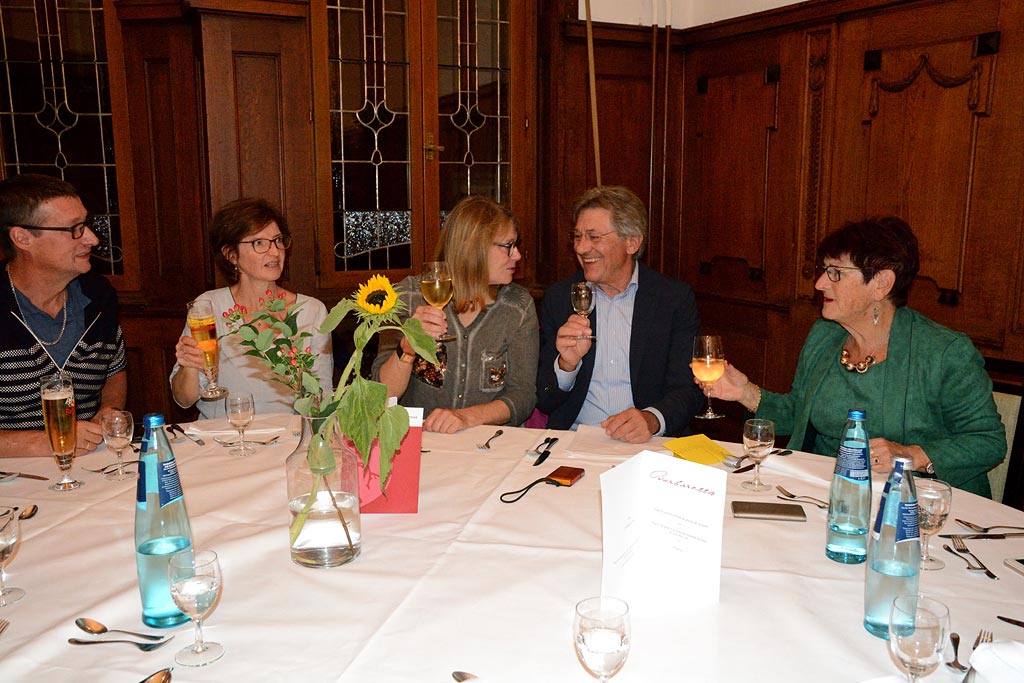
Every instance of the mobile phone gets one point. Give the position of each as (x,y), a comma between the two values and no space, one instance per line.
(1016,565)
(789,512)
(567,476)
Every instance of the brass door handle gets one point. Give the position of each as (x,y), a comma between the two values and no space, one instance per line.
(430,147)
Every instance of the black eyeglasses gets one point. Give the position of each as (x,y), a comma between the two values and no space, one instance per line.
(509,246)
(835,272)
(76,230)
(262,245)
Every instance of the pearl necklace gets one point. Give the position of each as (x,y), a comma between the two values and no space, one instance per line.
(862,366)
(64,308)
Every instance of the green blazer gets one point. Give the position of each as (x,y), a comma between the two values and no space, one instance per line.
(937,395)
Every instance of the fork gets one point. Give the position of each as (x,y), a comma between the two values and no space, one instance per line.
(984,636)
(109,468)
(3,625)
(792,496)
(985,529)
(145,647)
(970,567)
(961,547)
(486,445)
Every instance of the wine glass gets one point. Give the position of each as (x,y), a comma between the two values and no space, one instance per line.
(758,441)
(436,286)
(918,630)
(194,576)
(240,409)
(10,534)
(58,396)
(203,326)
(117,434)
(601,634)
(708,366)
(934,498)
(583,299)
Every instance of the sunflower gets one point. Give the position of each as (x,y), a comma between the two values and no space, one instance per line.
(377,296)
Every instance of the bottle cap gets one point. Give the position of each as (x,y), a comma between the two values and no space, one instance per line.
(855,414)
(153,420)
(903,462)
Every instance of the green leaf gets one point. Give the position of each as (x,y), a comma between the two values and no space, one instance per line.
(360,408)
(421,342)
(248,332)
(333,319)
(310,383)
(319,454)
(265,339)
(392,428)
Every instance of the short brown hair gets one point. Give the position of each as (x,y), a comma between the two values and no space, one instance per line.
(467,237)
(628,213)
(877,244)
(20,197)
(237,220)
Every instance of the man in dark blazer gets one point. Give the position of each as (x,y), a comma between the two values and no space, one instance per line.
(630,374)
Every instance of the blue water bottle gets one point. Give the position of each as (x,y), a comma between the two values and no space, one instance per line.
(894,550)
(849,500)
(161,524)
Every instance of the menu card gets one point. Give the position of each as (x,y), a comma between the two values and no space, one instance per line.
(662,524)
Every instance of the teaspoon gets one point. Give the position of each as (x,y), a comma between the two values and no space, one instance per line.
(146,647)
(29,512)
(96,628)
(161,676)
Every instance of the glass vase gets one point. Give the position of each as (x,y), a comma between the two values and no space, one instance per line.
(323,496)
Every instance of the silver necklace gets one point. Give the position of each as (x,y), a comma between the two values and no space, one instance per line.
(63,325)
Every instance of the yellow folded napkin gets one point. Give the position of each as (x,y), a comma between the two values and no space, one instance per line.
(697,448)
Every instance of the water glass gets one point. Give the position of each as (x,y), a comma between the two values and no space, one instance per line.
(758,441)
(10,534)
(118,427)
(195,579)
(918,631)
(934,498)
(601,634)
(240,410)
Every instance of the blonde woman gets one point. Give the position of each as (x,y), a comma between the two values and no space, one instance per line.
(490,368)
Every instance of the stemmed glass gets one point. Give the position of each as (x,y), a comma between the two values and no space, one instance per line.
(117,434)
(601,634)
(758,441)
(934,498)
(436,286)
(708,366)
(195,581)
(918,630)
(240,409)
(203,326)
(58,396)
(10,534)
(583,300)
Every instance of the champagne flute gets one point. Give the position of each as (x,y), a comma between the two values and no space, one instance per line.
(240,410)
(708,366)
(918,630)
(601,634)
(203,326)
(934,498)
(583,299)
(58,396)
(194,576)
(117,434)
(437,288)
(758,441)
(10,534)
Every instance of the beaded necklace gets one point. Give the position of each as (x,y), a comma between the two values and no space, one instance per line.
(862,366)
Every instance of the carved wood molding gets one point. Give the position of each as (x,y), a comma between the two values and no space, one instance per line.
(817,45)
(973,76)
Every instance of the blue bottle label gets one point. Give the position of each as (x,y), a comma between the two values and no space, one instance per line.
(852,463)
(168,483)
(907,528)
(140,486)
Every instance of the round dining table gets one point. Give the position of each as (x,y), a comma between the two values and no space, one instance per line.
(466,583)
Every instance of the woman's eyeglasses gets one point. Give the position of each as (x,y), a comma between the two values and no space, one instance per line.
(509,246)
(835,272)
(76,230)
(262,245)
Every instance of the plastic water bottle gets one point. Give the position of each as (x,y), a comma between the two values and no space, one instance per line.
(894,550)
(161,524)
(849,500)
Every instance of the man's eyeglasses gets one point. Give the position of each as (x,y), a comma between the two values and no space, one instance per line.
(262,245)
(76,230)
(592,237)
(835,272)
(509,246)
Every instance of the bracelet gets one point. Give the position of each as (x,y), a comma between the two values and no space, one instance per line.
(757,398)
(403,357)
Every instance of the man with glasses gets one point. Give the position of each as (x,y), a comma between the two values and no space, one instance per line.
(57,316)
(626,367)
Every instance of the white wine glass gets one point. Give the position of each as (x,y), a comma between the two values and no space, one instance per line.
(918,631)
(240,410)
(583,298)
(758,441)
(601,634)
(437,289)
(10,534)
(57,393)
(203,326)
(118,427)
(934,498)
(195,578)
(708,365)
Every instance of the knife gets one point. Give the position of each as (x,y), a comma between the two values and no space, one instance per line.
(980,536)
(745,468)
(177,428)
(1008,620)
(546,452)
(24,474)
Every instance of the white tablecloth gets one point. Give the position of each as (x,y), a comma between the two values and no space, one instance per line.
(468,583)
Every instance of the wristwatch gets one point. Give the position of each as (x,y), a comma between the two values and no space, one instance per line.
(403,357)
(929,468)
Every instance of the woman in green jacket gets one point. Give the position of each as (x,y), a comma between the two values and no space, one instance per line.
(923,386)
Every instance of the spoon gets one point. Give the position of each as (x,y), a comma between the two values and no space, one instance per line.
(540,447)
(955,665)
(161,676)
(792,496)
(462,676)
(29,512)
(486,445)
(96,628)
(984,529)
(146,647)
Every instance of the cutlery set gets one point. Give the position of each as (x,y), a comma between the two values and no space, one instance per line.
(746,468)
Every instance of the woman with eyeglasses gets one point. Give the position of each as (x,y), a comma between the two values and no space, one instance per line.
(923,386)
(250,239)
(489,369)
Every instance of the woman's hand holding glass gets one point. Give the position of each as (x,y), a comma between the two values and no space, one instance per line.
(708,366)
(203,326)
(437,289)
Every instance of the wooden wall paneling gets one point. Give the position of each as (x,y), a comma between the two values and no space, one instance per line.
(150,360)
